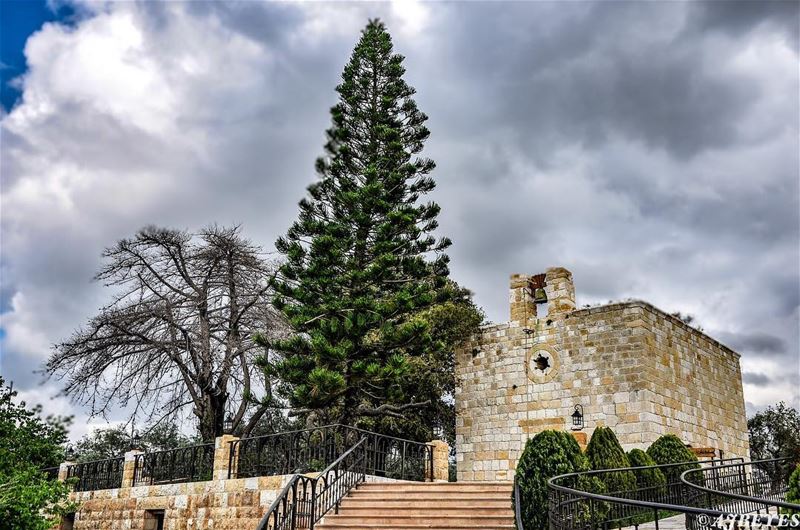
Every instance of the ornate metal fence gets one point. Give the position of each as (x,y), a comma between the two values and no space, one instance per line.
(288,452)
(184,464)
(305,500)
(719,487)
(51,473)
(314,449)
(742,488)
(97,475)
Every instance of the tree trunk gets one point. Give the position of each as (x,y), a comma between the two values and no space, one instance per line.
(212,417)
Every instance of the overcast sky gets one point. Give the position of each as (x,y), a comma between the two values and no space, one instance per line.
(651,148)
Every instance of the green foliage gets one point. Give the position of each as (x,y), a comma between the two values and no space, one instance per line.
(793,493)
(364,280)
(669,449)
(431,373)
(650,481)
(605,452)
(114,441)
(28,499)
(546,455)
(775,433)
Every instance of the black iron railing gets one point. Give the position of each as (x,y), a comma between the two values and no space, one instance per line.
(97,475)
(185,464)
(314,449)
(305,500)
(51,472)
(741,488)
(719,487)
(287,452)
(397,458)
(517,504)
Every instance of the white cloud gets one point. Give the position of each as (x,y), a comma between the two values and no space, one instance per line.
(655,163)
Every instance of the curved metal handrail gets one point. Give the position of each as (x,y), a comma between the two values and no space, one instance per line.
(576,499)
(637,502)
(517,503)
(288,507)
(635,468)
(743,482)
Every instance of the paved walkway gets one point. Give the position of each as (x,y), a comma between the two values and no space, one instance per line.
(677,522)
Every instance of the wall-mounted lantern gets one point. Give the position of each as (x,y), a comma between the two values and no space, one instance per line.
(69,453)
(227,425)
(577,418)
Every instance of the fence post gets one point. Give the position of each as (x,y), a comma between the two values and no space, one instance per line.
(129,468)
(440,461)
(62,470)
(224,463)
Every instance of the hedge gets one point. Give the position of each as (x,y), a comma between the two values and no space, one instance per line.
(669,449)
(605,452)
(546,455)
(650,481)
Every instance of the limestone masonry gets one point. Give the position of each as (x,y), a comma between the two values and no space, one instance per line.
(219,504)
(629,365)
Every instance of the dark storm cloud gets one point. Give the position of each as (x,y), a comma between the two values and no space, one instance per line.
(585,72)
(651,148)
(740,17)
(756,379)
(760,343)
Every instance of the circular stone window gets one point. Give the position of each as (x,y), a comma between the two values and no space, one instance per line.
(542,363)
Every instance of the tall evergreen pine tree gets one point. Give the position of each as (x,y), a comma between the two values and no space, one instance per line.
(360,261)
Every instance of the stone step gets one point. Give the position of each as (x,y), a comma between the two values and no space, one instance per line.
(392,502)
(381,510)
(414,506)
(423,495)
(395,526)
(476,521)
(437,486)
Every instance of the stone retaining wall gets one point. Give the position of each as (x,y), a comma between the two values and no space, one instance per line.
(233,504)
(218,504)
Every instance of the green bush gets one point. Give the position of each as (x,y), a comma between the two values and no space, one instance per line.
(669,449)
(546,455)
(605,452)
(793,494)
(650,481)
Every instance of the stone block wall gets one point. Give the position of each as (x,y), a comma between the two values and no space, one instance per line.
(631,366)
(218,504)
(697,386)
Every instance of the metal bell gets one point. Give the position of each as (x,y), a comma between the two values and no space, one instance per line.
(539,296)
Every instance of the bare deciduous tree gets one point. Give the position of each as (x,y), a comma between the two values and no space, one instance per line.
(179,331)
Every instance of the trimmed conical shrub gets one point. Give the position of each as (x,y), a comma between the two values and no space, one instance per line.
(546,455)
(605,452)
(649,482)
(669,449)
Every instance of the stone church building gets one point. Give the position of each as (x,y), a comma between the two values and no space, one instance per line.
(629,366)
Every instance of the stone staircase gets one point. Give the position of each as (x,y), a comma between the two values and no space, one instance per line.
(428,505)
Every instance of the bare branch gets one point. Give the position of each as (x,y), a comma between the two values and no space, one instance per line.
(179,330)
